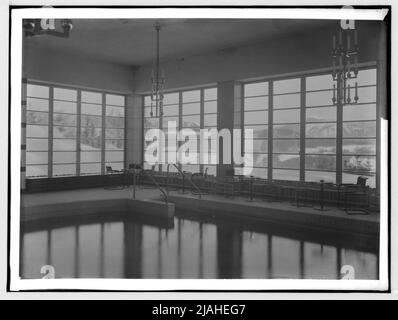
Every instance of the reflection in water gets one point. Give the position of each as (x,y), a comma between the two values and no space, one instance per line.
(122,247)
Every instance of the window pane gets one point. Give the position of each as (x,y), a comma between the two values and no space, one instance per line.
(210,94)
(210,120)
(90,133)
(366,77)
(256,117)
(260,160)
(320,82)
(287,131)
(64,169)
(90,156)
(359,129)
(318,162)
(365,95)
(64,132)
(37,104)
(256,103)
(191,121)
(37,171)
(259,131)
(288,146)
(287,116)
(210,107)
(320,175)
(91,121)
(256,89)
(171,110)
(64,144)
(169,98)
(37,144)
(286,161)
(257,173)
(320,114)
(359,146)
(359,112)
(191,108)
(37,91)
(36,157)
(115,100)
(34,117)
(90,144)
(114,156)
(114,145)
(91,97)
(259,145)
(36,131)
(287,101)
(191,96)
(320,130)
(322,98)
(92,109)
(285,174)
(115,111)
(65,94)
(319,146)
(64,157)
(147,100)
(359,164)
(114,134)
(287,86)
(90,168)
(64,119)
(64,107)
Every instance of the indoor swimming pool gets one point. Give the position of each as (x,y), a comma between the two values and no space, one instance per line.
(125,246)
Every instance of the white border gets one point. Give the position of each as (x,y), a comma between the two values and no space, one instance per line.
(150,284)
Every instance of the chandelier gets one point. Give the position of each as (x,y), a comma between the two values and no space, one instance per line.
(345,67)
(35,27)
(157,80)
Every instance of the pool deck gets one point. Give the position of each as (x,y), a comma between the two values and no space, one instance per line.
(331,218)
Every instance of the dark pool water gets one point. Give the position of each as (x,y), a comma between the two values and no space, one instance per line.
(126,246)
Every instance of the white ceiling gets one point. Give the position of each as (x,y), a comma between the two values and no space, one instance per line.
(133,41)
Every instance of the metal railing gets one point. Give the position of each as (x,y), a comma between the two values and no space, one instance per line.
(182,173)
(153,180)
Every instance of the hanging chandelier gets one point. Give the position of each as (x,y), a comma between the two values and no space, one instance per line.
(158,80)
(345,67)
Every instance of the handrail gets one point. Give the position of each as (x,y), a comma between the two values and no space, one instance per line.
(158,186)
(183,175)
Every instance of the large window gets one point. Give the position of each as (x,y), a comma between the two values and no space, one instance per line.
(302,134)
(190,109)
(73,132)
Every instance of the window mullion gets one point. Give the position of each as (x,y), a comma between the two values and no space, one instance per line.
(50,131)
